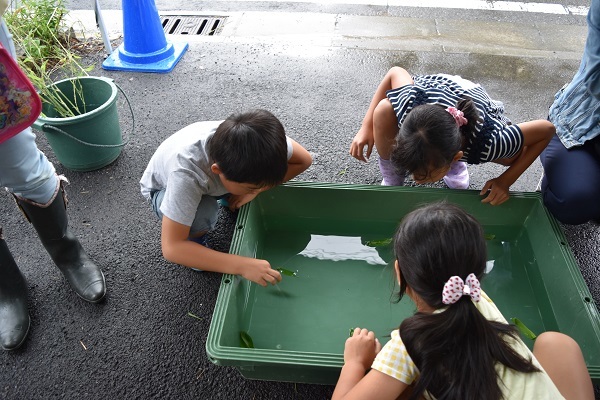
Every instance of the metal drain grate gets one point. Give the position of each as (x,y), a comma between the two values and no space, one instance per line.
(192,24)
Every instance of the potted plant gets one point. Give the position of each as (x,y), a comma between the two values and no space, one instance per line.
(45,51)
(79,113)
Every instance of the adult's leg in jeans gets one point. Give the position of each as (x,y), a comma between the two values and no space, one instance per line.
(6,38)
(28,174)
(25,170)
(571,184)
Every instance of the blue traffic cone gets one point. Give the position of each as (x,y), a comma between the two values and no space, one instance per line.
(144,48)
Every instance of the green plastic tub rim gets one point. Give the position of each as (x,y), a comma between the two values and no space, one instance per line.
(233,356)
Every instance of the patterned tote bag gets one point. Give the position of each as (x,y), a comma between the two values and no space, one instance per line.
(20,104)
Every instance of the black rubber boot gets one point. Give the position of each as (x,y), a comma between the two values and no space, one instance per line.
(14,316)
(51,224)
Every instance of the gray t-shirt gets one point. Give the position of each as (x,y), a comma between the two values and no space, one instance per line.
(181,166)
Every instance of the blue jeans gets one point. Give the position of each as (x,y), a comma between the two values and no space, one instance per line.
(24,169)
(206,214)
(571,184)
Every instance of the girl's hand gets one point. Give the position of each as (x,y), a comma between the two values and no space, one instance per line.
(361,348)
(363,138)
(497,192)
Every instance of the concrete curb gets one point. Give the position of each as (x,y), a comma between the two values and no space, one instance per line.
(374,32)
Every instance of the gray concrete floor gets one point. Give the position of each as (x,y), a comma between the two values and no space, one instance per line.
(140,343)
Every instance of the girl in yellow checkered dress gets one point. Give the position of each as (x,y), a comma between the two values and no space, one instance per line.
(457,345)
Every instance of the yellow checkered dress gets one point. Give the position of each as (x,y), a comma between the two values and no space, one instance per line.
(393,360)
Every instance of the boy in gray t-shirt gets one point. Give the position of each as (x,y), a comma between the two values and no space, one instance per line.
(235,159)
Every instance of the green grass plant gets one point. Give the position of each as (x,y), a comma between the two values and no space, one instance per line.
(43,42)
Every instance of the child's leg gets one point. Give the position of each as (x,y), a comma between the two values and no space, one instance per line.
(458,176)
(385,129)
(206,216)
(391,176)
(205,219)
(562,359)
(156,198)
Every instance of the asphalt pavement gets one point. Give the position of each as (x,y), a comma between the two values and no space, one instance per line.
(315,70)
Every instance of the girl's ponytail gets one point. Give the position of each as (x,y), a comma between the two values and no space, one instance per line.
(467,106)
(456,351)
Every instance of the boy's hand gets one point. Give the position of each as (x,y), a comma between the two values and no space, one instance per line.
(260,271)
(363,138)
(361,348)
(497,192)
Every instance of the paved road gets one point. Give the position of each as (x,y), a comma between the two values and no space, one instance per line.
(316,71)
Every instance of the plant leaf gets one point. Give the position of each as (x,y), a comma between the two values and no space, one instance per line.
(193,316)
(287,272)
(489,236)
(246,340)
(378,243)
(524,330)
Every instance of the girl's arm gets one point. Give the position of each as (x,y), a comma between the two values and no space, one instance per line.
(536,136)
(359,353)
(299,161)
(395,78)
(373,386)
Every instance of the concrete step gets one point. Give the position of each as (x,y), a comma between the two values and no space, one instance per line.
(521,39)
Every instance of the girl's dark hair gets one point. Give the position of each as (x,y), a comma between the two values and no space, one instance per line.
(429,137)
(251,148)
(455,350)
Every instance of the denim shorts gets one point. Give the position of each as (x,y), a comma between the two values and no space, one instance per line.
(206,214)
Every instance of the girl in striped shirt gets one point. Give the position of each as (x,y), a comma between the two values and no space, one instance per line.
(432,125)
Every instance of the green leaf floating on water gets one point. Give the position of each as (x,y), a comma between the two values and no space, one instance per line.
(378,243)
(246,340)
(287,272)
(489,236)
(524,330)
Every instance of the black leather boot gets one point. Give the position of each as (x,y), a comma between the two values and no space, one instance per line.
(14,316)
(51,224)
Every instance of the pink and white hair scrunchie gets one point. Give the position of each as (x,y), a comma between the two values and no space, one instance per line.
(456,288)
(458,115)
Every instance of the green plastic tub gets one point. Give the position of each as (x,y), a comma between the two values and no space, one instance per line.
(322,232)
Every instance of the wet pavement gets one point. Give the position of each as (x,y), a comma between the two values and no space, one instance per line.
(317,75)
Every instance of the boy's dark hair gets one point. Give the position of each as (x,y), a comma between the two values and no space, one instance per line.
(429,137)
(455,350)
(251,148)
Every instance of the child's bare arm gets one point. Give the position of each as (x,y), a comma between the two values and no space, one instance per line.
(536,136)
(395,78)
(359,352)
(178,249)
(299,162)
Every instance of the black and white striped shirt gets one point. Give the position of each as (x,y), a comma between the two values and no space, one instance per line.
(495,137)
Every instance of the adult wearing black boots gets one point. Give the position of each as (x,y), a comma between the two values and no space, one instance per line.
(30,177)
